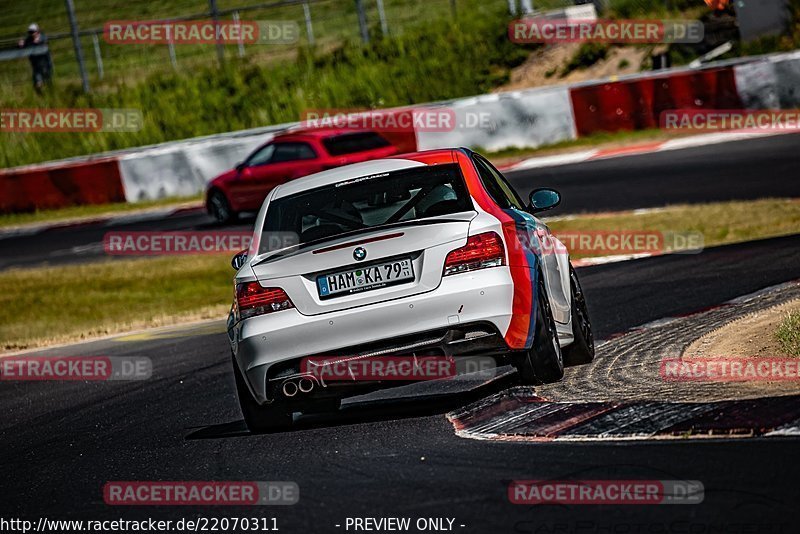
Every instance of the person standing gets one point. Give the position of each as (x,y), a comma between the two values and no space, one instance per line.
(41,62)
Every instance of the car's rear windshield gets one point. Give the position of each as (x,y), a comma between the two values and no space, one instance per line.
(350,143)
(367,202)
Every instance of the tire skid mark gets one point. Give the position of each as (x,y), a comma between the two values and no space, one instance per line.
(622,396)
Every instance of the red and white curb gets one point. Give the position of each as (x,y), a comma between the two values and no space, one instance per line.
(520,415)
(635,150)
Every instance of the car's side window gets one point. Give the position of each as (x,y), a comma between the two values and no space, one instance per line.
(292,152)
(496,185)
(341,145)
(262,157)
(510,192)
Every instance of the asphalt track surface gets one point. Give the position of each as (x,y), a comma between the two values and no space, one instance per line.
(397,457)
(740,170)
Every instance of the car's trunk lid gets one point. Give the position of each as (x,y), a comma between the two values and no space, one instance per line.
(425,242)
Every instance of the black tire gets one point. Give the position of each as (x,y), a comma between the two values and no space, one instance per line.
(544,363)
(219,207)
(580,351)
(257,417)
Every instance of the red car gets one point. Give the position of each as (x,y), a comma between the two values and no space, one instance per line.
(286,157)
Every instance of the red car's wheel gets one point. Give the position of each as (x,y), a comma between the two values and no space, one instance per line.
(220,208)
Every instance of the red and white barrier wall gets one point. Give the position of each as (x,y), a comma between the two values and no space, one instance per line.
(180,168)
(528,118)
(96,181)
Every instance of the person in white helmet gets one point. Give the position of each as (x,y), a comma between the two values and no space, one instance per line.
(41,62)
(525,7)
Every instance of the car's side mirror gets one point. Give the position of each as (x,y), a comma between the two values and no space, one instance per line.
(239,260)
(240,166)
(544,199)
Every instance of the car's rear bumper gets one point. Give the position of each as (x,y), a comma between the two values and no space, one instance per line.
(460,303)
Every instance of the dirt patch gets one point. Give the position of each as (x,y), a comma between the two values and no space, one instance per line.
(753,335)
(543,67)
(629,367)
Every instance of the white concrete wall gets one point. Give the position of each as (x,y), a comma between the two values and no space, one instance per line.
(182,169)
(770,82)
(519,119)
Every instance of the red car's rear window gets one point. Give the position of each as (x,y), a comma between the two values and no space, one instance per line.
(351,143)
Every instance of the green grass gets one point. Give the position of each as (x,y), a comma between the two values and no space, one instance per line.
(88,211)
(424,58)
(720,223)
(334,22)
(467,57)
(50,305)
(788,333)
(47,305)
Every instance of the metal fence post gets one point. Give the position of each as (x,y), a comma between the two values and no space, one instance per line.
(212,4)
(382,15)
(362,21)
(309,25)
(238,26)
(76,41)
(97,56)
(172,58)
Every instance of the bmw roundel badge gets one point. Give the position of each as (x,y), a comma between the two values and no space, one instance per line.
(360,253)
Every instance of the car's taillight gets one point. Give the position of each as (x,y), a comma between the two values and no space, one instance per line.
(252,299)
(480,252)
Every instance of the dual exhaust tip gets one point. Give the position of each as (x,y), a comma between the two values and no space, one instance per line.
(292,387)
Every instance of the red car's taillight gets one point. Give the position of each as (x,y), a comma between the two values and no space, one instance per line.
(252,299)
(480,252)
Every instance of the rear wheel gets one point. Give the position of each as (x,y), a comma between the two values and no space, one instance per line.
(543,363)
(257,417)
(581,350)
(220,208)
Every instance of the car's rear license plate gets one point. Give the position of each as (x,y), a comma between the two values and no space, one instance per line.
(365,278)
